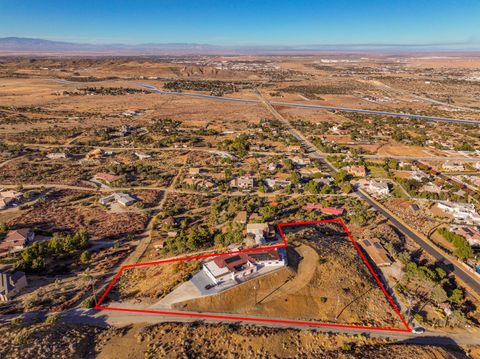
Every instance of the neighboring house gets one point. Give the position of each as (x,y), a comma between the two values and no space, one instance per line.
(194,171)
(272,167)
(471,234)
(259,230)
(107,177)
(57,155)
(299,161)
(359,171)
(131,113)
(273,182)
(452,166)
(339,131)
(11,284)
(95,154)
(432,188)
(244,182)
(7,197)
(179,145)
(16,240)
(461,211)
(142,156)
(327,180)
(126,129)
(417,175)
(309,171)
(243,266)
(199,183)
(327,210)
(293,148)
(376,252)
(379,188)
(122,198)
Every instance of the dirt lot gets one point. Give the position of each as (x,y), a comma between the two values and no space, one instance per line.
(153,282)
(57,214)
(317,288)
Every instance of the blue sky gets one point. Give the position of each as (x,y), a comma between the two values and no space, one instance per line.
(245,22)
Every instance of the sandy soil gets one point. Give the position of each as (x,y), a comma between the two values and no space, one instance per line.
(319,289)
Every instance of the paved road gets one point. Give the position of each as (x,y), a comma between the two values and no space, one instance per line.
(469,278)
(422,98)
(424,158)
(123,318)
(288,104)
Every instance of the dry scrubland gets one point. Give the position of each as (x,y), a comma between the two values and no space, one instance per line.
(39,115)
(200,340)
(326,281)
(59,213)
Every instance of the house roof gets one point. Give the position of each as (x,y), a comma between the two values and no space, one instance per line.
(107,177)
(376,252)
(257,227)
(10,194)
(327,210)
(18,235)
(234,262)
(8,281)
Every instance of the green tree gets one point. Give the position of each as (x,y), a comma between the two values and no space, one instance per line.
(295,178)
(439,295)
(346,187)
(456,296)
(341,176)
(312,187)
(85,257)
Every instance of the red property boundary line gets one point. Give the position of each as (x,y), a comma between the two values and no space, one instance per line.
(257,319)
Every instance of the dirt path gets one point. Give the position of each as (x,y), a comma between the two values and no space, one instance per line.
(142,247)
(305,272)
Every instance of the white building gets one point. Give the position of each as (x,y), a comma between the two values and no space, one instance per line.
(244,182)
(379,188)
(7,197)
(142,156)
(243,266)
(464,212)
(122,198)
(272,183)
(432,188)
(417,175)
(299,161)
(57,155)
(451,166)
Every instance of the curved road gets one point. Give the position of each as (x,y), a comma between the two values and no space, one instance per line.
(470,279)
(345,109)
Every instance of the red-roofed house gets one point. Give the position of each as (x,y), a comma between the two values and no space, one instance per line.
(242,266)
(107,177)
(16,240)
(327,210)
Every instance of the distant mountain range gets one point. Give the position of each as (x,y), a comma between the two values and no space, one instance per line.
(27,45)
(20,45)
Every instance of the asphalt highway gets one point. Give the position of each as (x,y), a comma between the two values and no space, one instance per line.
(345,109)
